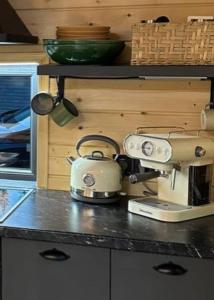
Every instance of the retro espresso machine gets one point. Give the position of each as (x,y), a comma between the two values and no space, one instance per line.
(183,166)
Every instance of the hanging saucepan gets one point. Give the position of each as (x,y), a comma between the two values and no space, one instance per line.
(43,103)
(60,109)
(64,112)
(95,178)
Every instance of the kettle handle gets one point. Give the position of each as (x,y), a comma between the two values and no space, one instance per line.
(96,137)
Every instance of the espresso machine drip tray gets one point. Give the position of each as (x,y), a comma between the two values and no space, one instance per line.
(10,199)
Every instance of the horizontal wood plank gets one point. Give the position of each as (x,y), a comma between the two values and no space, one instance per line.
(137,84)
(137,95)
(41,4)
(58,166)
(86,148)
(22,49)
(116,125)
(59,183)
(43,22)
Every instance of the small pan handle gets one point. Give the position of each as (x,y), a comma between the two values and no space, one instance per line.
(96,137)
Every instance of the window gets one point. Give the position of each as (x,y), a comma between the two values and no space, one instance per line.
(18,84)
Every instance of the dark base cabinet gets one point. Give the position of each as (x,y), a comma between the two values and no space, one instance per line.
(140,276)
(33,270)
(47,271)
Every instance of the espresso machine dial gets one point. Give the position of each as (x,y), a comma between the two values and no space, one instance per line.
(147,148)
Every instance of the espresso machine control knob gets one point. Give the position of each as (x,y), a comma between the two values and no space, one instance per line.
(147,148)
(199,151)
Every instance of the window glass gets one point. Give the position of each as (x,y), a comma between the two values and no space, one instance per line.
(18,84)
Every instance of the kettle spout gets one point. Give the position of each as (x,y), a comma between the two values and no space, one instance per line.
(70,159)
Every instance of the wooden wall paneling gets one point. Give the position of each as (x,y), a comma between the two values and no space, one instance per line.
(42,152)
(43,22)
(134,95)
(117,125)
(63,4)
(59,183)
(87,148)
(42,137)
(136,84)
(22,49)
(58,166)
(117,107)
(9,56)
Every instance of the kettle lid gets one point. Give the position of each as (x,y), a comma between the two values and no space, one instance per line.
(97,155)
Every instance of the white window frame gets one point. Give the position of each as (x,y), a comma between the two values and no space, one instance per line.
(23,69)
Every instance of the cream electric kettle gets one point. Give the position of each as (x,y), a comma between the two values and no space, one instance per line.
(95,178)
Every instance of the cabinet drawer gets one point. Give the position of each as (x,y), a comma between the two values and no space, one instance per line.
(50,271)
(141,276)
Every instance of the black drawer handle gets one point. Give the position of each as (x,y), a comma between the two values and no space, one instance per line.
(170,269)
(54,254)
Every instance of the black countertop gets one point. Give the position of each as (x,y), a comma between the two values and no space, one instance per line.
(53,216)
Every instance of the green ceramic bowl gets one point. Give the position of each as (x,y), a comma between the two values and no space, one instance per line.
(82,51)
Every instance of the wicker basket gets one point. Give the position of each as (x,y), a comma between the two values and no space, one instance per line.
(169,43)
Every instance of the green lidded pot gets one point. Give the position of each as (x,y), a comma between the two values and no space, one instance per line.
(83,51)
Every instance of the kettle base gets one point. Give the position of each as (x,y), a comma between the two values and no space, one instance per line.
(95,200)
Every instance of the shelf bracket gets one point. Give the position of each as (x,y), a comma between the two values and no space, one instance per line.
(60,87)
(212,93)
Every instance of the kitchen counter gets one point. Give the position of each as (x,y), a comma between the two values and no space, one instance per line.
(53,216)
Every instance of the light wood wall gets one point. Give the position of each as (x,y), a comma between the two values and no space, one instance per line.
(116,108)
(111,107)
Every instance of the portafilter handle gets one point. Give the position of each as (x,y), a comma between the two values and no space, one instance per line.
(140,177)
(96,137)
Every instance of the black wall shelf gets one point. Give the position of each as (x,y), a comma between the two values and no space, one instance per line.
(126,71)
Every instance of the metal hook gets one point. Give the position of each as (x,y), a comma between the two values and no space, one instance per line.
(60,80)
(211,104)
